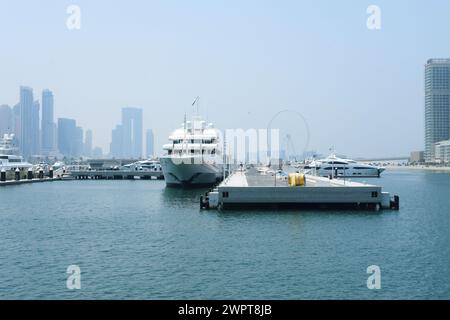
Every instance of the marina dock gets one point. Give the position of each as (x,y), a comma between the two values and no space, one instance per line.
(249,188)
(115,174)
(26,181)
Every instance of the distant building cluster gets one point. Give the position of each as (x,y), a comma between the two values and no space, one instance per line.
(36,133)
(437,111)
(126,138)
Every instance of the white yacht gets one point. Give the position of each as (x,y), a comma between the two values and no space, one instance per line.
(9,160)
(338,167)
(145,165)
(193,155)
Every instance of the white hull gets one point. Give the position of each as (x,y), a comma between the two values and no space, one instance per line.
(187,171)
(338,167)
(348,173)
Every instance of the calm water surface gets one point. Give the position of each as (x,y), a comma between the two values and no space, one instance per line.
(136,239)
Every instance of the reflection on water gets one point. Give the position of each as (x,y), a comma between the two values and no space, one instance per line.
(182,197)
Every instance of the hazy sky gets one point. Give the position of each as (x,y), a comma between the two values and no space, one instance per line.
(360,90)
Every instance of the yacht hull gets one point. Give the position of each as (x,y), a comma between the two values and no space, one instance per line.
(189,172)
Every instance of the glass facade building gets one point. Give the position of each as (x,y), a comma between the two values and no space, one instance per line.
(47,122)
(437,104)
(132,132)
(67,136)
(150,151)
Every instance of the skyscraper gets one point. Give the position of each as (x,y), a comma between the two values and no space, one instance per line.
(29,139)
(17,129)
(67,135)
(6,120)
(88,143)
(79,145)
(437,104)
(47,124)
(26,121)
(116,147)
(132,132)
(35,131)
(150,152)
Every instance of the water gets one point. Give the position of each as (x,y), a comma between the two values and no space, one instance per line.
(136,239)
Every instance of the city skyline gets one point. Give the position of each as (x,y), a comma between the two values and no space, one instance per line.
(322,61)
(36,132)
(45,136)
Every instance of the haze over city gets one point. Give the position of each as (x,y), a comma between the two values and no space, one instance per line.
(361,90)
(235,158)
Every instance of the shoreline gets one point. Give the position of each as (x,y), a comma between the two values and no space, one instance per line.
(415,168)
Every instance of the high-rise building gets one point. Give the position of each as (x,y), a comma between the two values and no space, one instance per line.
(116,147)
(79,144)
(67,136)
(26,121)
(35,131)
(17,129)
(6,120)
(150,152)
(126,139)
(132,132)
(437,104)
(47,124)
(88,143)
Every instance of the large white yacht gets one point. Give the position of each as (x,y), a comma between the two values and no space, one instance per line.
(9,160)
(193,155)
(338,167)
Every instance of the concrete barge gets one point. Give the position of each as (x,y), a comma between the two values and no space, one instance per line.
(250,189)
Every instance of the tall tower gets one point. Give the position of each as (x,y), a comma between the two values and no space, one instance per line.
(67,137)
(26,121)
(47,124)
(79,145)
(132,132)
(437,104)
(150,143)
(35,131)
(88,143)
(6,120)
(116,147)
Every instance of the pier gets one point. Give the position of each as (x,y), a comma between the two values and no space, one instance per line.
(115,174)
(250,189)
(26,181)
